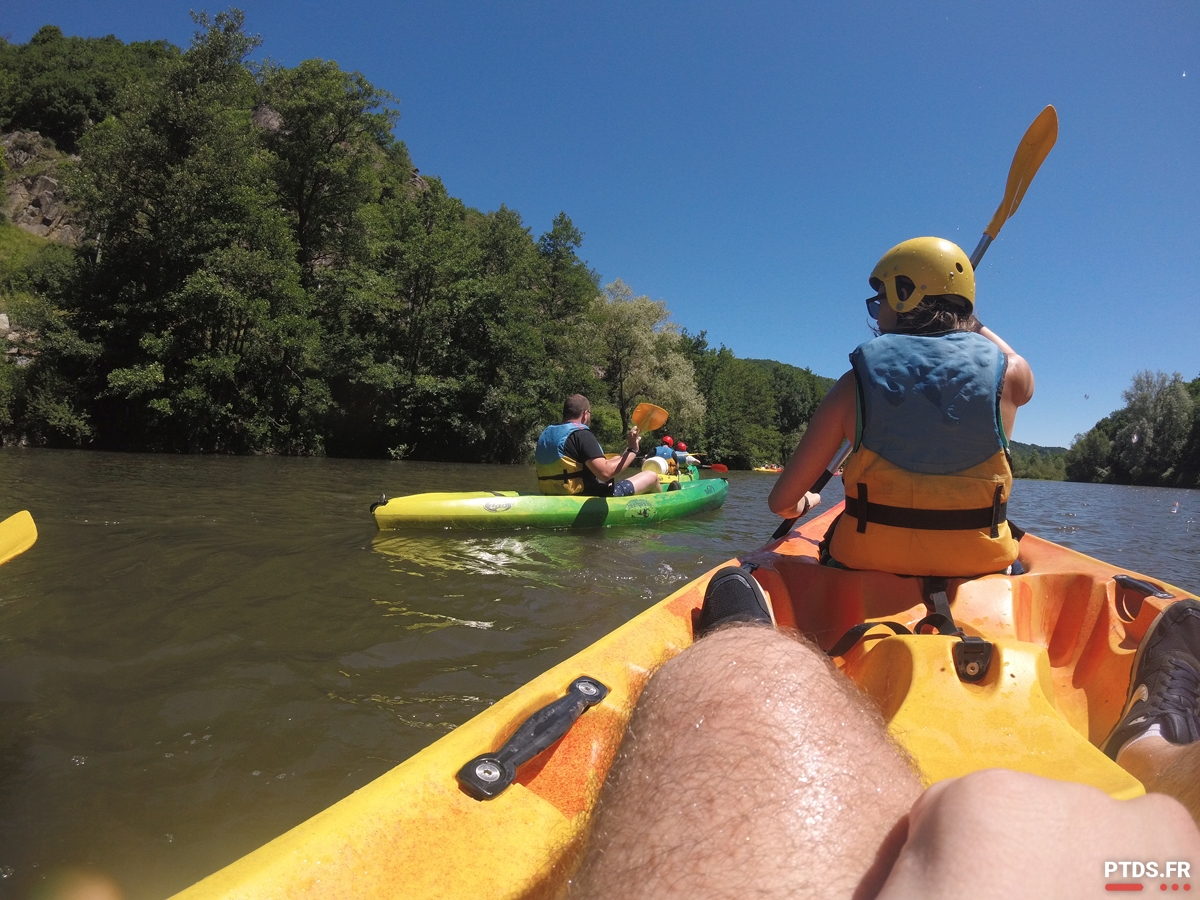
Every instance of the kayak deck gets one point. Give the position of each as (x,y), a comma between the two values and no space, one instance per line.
(510,509)
(1065,634)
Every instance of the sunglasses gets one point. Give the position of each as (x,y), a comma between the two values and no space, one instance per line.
(873,305)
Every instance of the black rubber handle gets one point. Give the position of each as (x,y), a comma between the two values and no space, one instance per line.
(1145,588)
(487,776)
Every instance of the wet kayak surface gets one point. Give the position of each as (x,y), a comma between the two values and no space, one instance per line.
(201,652)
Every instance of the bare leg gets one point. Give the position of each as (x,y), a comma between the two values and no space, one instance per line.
(1166,768)
(645,482)
(751,768)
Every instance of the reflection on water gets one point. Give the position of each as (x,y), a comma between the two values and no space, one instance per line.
(201,652)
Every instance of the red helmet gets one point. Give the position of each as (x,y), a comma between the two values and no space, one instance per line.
(668,440)
(682,446)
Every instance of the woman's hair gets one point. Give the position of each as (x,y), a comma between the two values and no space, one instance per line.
(935,314)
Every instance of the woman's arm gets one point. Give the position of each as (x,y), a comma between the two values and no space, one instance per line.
(833,422)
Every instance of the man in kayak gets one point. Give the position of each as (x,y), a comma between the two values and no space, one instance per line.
(753,768)
(928,406)
(571,461)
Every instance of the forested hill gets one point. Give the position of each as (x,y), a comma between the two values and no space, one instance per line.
(253,264)
(1153,440)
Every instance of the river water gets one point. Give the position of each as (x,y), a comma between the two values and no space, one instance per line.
(200,652)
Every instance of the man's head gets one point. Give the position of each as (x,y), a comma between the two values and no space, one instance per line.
(681,447)
(668,440)
(575,407)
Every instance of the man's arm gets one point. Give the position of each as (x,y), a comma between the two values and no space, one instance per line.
(608,469)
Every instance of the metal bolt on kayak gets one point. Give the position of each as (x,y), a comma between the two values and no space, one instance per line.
(488,771)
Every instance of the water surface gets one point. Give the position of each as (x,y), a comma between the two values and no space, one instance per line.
(201,652)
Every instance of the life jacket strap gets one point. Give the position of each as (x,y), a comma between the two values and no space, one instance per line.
(989,517)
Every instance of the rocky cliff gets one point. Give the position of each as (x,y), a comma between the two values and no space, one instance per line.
(33,197)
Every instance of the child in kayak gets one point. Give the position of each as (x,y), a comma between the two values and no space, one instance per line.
(928,406)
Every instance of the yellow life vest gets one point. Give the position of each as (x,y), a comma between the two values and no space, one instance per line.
(928,483)
(923,511)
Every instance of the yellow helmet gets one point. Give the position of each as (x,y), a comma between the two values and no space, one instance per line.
(934,265)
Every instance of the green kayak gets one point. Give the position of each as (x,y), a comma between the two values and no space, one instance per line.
(509,509)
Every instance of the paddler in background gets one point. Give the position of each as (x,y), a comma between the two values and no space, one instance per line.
(571,461)
(929,405)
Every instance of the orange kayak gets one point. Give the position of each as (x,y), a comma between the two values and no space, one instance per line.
(500,807)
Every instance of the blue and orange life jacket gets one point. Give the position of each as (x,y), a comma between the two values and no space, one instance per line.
(928,483)
(557,473)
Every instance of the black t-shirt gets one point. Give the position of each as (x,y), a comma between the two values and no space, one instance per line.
(581,445)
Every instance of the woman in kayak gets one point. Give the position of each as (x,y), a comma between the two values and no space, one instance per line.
(928,406)
(571,461)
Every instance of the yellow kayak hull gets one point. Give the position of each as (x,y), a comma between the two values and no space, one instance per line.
(1065,634)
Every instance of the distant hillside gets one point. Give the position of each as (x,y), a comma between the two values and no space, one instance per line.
(770,365)
(1018,447)
(1034,461)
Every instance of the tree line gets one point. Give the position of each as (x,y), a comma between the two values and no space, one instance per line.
(1153,440)
(266,271)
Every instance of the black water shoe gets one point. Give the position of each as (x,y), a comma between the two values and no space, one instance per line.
(733,595)
(1164,689)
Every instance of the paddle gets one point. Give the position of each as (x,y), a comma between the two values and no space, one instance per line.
(648,417)
(717,467)
(17,534)
(834,464)
(1035,145)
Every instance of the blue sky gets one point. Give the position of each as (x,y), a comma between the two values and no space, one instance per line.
(749,162)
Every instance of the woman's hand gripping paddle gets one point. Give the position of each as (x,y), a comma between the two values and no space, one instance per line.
(1031,152)
(836,463)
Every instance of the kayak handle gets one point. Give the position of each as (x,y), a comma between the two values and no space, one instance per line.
(486,777)
(1145,588)
(819,485)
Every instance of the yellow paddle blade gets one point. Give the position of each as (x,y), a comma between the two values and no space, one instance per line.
(1035,145)
(17,534)
(648,417)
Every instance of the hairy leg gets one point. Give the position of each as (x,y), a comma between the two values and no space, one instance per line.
(751,768)
(1166,768)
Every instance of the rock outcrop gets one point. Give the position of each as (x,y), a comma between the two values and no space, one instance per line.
(33,198)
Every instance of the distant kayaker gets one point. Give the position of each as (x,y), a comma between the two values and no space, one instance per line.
(665,450)
(571,461)
(929,405)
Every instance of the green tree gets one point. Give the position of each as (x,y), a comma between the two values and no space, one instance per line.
(60,86)
(327,131)
(193,289)
(1158,421)
(1088,458)
(637,348)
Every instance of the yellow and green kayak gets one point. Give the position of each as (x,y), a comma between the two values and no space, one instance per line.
(500,807)
(510,509)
